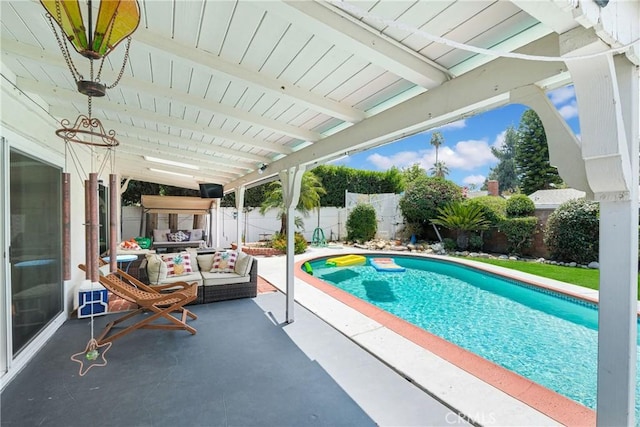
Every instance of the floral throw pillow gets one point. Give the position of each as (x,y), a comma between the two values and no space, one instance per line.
(180,236)
(224,262)
(178,264)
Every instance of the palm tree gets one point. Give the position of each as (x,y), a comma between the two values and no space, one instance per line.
(310,191)
(439,170)
(462,218)
(437,140)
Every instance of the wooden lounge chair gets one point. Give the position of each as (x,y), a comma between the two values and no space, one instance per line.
(148,298)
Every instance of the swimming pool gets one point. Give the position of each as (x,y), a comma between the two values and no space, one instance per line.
(541,335)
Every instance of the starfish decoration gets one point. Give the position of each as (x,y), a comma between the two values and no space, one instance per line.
(91,353)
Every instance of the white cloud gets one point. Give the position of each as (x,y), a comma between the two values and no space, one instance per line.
(459,124)
(562,95)
(401,159)
(465,155)
(569,111)
(499,141)
(474,180)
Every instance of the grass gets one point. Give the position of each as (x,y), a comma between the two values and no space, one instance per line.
(585,277)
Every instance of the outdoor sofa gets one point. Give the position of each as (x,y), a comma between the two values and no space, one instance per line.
(169,240)
(218,279)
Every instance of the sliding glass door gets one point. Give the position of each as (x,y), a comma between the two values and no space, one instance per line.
(35,252)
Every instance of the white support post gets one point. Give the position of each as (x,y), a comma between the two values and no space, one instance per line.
(291,180)
(607,93)
(240,217)
(618,335)
(217,203)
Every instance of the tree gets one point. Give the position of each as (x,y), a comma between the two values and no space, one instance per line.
(439,170)
(423,197)
(505,171)
(310,191)
(413,172)
(532,156)
(436,140)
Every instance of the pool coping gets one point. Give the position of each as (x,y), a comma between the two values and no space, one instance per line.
(546,402)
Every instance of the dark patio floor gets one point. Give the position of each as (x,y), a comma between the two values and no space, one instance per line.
(243,368)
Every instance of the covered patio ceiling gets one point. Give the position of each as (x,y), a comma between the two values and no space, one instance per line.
(230,86)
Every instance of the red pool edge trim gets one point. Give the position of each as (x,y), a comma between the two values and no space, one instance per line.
(548,402)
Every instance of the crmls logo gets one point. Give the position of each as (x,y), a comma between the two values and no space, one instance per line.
(483,418)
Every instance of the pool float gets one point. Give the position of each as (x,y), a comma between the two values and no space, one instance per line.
(307,268)
(346,260)
(386,264)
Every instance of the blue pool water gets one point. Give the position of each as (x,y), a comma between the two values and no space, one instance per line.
(548,338)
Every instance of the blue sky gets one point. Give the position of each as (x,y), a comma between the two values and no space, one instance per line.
(467,143)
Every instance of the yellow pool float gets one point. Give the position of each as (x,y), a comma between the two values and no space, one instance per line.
(346,260)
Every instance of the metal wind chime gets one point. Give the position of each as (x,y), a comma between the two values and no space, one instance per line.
(94,39)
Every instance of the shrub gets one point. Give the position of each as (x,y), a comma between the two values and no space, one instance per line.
(476,242)
(571,233)
(279,242)
(449,244)
(424,196)
(462,218)
(362,224)
(520,205)
(493,208)
(519,232)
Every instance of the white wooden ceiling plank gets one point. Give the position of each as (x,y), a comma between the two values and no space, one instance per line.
(139,61)
(493,36)
(448,19)
(341,75)
(187,21)
(305,60)
(261,46)
(327,64)
(385,94)
(245,20)
(305,117)
(288,47)
(181,74)
(14,27)
(157,16)
(416,16)
(332,23)
(234,96)
(159,119)
(387,10)
(357,82)
(374,85)
(236,72)
(478,24)
(215,19)
(326,126)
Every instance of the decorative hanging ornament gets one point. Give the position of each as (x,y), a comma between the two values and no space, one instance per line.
(116,20)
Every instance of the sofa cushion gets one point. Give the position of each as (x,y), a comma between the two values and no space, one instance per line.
(193,254)
(243,264)
(156,269)
(223,262)
(189,278)
(205,262)
(178,264)
(160,235)
(216,279)
(196,234)
(179,236)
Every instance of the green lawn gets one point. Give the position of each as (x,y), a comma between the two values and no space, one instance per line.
(585,277)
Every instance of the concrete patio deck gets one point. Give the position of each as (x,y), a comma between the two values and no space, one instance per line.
(244,367)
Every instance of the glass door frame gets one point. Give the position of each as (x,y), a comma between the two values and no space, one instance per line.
(14,364)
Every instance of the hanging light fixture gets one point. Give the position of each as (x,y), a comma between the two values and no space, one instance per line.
(116,21)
